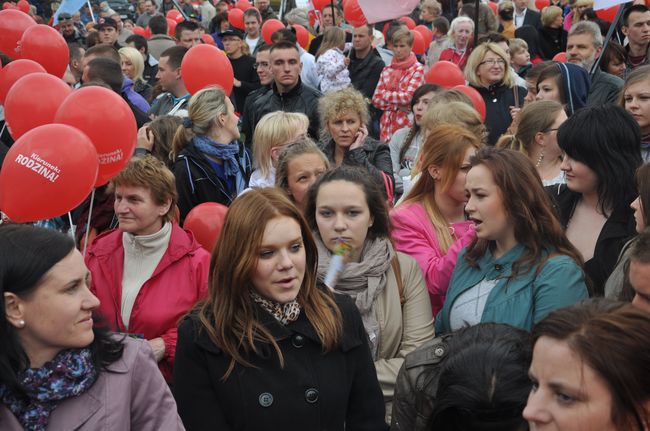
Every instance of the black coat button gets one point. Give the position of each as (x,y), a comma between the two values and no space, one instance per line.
(311,395)
(298,341)
(498,267)
(265,399)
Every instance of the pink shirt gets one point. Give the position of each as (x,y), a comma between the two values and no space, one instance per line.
(414,235)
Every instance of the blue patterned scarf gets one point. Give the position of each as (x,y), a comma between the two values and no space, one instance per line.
(226,152)
(69,374)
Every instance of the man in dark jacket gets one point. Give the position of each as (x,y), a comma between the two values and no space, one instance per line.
(365,69)
(68,30)
(584,46)
(288,93)
(263,70)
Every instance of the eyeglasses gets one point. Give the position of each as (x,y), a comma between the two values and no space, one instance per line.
(262,65)
(493,61)
(551,130)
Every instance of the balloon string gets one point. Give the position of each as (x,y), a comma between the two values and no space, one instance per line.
(4,126)
(90,213)
(72,227)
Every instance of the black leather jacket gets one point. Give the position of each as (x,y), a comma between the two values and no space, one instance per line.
(302,98)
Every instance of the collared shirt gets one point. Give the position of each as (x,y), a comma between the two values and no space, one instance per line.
(519,18)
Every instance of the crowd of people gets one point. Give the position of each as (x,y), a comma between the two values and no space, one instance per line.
(396,253)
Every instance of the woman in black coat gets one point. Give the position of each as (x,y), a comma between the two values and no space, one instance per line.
(269,349)
(488,71)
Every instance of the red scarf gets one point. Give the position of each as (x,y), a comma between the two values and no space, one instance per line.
(397,68)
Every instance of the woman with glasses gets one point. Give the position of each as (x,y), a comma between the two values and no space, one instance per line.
(488,71)
(536,136)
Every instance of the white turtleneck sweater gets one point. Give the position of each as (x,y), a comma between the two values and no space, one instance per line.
(142,255)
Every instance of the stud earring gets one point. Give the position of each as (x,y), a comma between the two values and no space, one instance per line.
(21,323)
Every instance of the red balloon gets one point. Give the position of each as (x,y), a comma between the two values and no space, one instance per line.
(147,32)
(408,21)
(477,99)
(109,123)
(48,171)
(354,15)
(173,14)
(33,101)
(47,47)
(13,24)
(205,222)
(607,14)
(560,57)
(23,5)
(426,34)
(207,39)
(320,4)
(8,5)
(302,35)
(13,72)
(541,4)
(205,65)
(171,27)
(445,74)
(418,43)
(243,5)
(236,18)
(269,27)
(139,30)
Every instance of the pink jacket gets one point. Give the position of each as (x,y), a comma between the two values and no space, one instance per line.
(131,395)
(179,281)
(414,235)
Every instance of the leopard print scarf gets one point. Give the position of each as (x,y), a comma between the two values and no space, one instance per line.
(283,313)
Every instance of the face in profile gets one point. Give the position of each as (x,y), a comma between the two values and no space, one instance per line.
(281,261)
(342,215)
(58,314)
(485,205)
(567,394)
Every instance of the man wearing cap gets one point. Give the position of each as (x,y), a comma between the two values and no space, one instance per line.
(246,79)
(107,28)
(122,33)
(69,31)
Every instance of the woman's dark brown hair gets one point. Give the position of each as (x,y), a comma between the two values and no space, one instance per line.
(228,314)
(613,339)
(528,207)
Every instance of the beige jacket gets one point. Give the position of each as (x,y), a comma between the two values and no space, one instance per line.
(402,328)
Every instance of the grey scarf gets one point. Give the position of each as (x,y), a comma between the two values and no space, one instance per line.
(363,281)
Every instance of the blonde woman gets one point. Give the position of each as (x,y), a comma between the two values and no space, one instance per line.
(488,71)
(210,164)
(132,68)
(274,131)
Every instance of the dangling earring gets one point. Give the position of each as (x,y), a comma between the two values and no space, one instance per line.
(540,159)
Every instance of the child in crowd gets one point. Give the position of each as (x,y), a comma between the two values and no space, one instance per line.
(519,56)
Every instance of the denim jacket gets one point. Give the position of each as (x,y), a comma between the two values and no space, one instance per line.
(523,300)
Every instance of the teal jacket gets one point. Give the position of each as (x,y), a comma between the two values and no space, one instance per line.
(526,299)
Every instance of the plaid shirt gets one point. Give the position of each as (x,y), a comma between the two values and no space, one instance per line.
(389,98)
